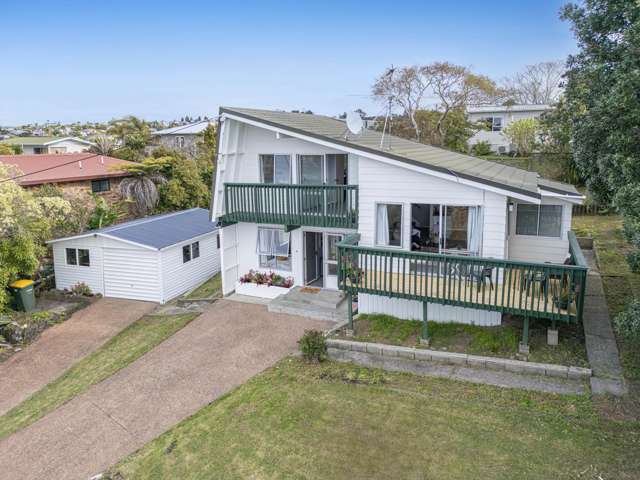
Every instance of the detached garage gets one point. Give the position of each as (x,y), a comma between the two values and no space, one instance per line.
(155,258)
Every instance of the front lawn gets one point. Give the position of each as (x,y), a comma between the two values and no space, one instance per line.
(620,284)
(501,341)
(340,421)
(126,347)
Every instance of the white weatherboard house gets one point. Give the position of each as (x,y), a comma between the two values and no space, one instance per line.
(154,258)
(497,118)
(37,145)
(410,229)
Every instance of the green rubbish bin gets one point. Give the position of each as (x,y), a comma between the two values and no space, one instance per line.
(24,296)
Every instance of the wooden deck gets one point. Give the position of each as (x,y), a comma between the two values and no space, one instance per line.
(512,294)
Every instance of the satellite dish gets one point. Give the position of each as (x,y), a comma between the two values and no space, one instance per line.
(354,123)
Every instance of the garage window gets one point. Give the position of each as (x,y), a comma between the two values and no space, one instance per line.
(83,257)
(72,256)
(190,252)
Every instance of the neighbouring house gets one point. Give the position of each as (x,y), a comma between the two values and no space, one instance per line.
(406,227)
(155,258)
(184,138)
(71,171)
(46,145)
(497,118)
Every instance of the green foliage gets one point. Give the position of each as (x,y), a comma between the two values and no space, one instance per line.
(601,92)
(5,149)
(627,323)
(523,134)
(81,289)
(313,346)
(103,214)
(133,135)
(481,149)
(26,221)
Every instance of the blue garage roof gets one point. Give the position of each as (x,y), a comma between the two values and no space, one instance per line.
(159,231)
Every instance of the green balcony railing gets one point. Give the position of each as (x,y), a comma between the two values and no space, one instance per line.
(292,205)
(537,290)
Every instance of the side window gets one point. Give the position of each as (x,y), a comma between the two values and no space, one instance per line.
(83,257)
(218,241)
(98,186)
(186,253)
(195,250)
(72,258)
(539,220)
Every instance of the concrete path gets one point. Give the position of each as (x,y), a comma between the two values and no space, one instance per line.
(62,345)
(602,349)
(224,347)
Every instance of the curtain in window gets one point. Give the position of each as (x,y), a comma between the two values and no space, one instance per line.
(382,225)
(527,219)
(273,242)
(474,230)
(550,221)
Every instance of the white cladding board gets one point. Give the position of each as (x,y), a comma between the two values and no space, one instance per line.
(131,273)
(180,277)
(69,275)
(541,249)
(412,310)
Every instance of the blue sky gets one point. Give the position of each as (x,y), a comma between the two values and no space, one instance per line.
(68,61)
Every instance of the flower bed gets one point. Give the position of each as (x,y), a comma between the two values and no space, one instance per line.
(264,285)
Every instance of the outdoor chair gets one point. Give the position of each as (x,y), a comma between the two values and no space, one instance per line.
(480,276)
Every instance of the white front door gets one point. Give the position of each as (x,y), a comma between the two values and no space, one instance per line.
(331,260)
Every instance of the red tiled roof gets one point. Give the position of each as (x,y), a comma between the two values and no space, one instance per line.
(64,167)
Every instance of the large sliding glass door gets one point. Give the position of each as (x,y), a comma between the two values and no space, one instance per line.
(446,229)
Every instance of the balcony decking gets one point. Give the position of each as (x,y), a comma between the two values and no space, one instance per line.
(537,290)
(292,205)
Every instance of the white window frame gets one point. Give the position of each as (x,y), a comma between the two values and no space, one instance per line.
(190,247)
(289,255)
(375,228)
(77,257)
(180,141)
(537,235)
(261,171)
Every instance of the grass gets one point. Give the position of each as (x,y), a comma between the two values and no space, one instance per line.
(210,288)
(127,346)
(621,285)
(341,421)
(500,341)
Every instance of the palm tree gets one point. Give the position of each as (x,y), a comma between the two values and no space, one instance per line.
(142,191)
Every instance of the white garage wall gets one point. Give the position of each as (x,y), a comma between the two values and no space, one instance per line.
(132,273)
(69,275)
(179,277)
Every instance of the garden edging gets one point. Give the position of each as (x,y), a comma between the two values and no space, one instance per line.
(452,358)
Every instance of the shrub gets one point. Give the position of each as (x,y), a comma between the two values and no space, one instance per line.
(313,346)
(627,322)
(481,148)
(82,289)
(270,279)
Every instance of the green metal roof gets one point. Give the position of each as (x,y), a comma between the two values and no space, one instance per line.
(31,140)
(437,159)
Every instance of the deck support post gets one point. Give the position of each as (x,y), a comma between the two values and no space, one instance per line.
(349,314)
(552,334)
(424,339)
(523,348)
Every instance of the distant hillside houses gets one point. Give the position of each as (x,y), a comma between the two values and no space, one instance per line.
(37,145)
(184,137)
(497,118)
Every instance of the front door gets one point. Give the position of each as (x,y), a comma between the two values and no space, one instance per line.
(313,258)
(331,262)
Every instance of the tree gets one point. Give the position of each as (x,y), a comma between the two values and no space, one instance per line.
(555,139)
(26,221)
(406,88)
(602,85)
(538,84)
(523,134)
(132,135)
(141,189)
(6,149)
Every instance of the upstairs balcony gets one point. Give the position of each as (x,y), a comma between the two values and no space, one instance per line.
(292,205)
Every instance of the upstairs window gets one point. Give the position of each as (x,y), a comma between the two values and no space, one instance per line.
(275,169)
(539,220)
(98,186)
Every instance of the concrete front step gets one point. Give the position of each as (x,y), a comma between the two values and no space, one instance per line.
(313,296)
(279,305)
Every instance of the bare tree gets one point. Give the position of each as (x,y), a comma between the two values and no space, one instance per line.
(538,84)
(406,88)
(455,87)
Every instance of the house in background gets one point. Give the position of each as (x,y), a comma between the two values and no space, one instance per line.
(497,118)
(412,230)
(184,138)
(71,171)
(44,145)
(154,258)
